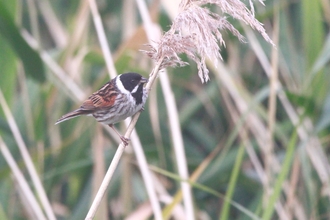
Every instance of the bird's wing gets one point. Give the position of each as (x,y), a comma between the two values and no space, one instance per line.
(103,98)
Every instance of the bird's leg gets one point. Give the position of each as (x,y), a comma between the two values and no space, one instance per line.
(122,138)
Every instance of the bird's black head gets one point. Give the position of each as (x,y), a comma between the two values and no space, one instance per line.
(131,80)
(133,83)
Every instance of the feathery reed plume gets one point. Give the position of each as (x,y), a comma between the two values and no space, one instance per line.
(196,32)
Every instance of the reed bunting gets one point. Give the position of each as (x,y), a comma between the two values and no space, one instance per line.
(118,99)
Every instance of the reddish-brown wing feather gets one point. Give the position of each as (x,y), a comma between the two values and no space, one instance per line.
(103,98)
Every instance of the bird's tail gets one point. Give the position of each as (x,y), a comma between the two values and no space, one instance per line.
(73,114)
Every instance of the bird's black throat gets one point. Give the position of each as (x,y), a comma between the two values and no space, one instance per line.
(138,94)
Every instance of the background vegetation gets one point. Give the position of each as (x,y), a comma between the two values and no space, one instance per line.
(256,136)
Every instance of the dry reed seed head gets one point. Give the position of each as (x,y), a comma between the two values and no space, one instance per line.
(239,11)
(196,32)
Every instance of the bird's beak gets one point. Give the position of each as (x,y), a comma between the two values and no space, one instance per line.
(143,80)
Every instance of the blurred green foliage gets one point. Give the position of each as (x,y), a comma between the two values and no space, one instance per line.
(210,119)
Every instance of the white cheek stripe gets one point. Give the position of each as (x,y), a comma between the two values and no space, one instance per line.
(135,88)
(120,85)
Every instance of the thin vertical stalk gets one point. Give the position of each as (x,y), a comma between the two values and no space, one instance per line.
(33,16)
(269,149)
(55,28)
(233,180)
(153,35)
(254,124)
(26,102)
(285,169)
(103,39)
(305,129)
(27,159)
(23,184)
(178,146)
(99,170)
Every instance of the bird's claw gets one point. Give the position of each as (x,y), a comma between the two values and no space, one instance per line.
(124,140)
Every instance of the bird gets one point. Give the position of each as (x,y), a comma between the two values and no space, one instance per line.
(121,97)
